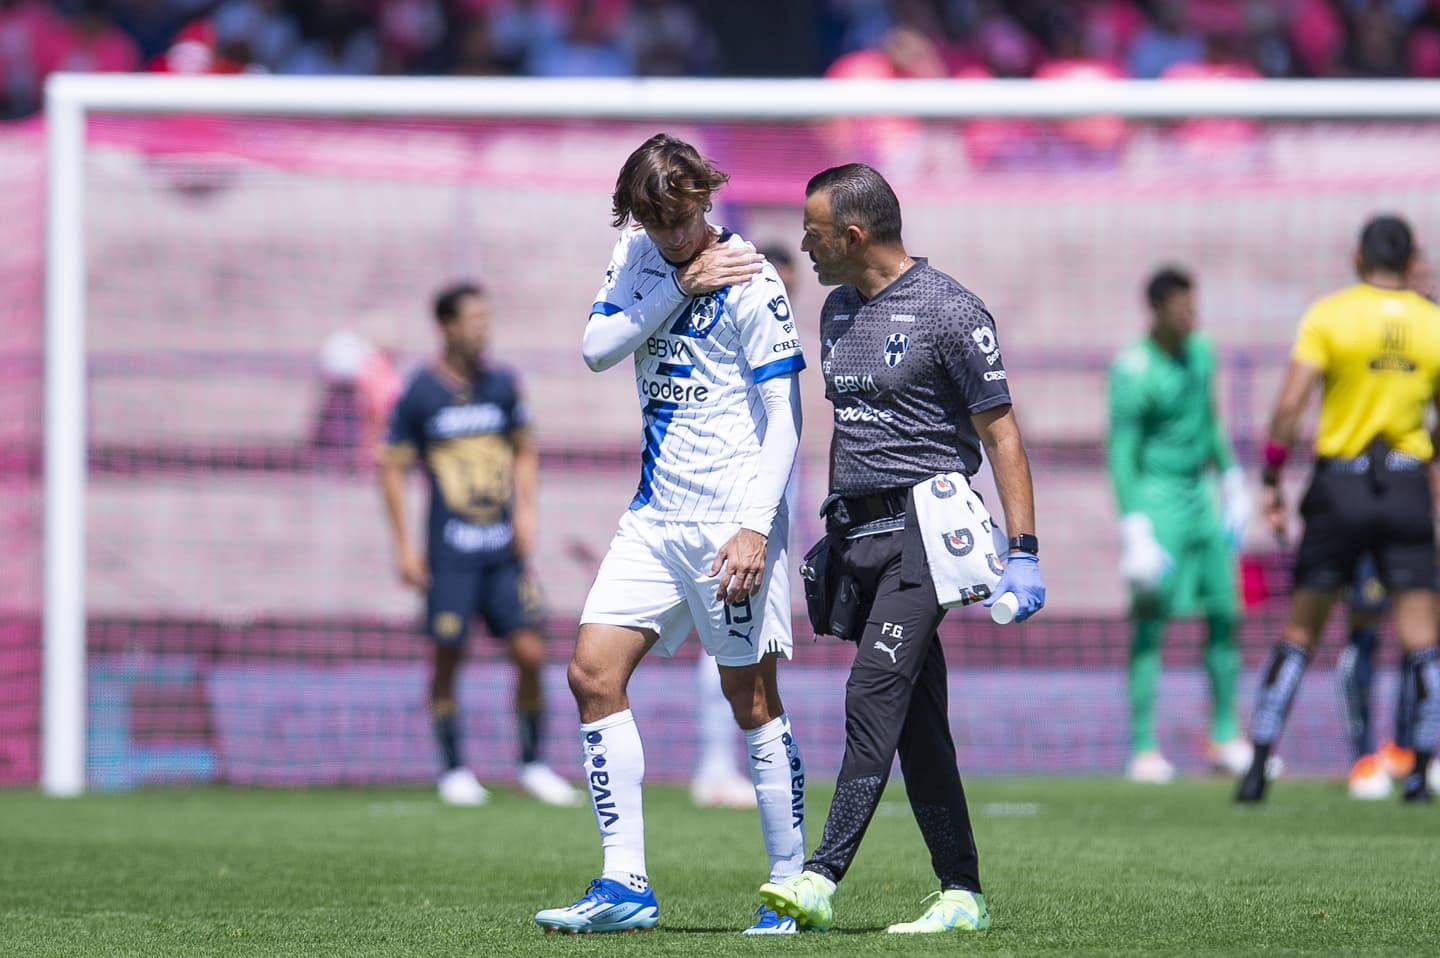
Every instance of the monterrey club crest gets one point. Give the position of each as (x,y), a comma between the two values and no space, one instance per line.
(704,313)
(895,348)
(942,488)
(959,542)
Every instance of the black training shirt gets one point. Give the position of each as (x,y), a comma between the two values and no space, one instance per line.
(905,371)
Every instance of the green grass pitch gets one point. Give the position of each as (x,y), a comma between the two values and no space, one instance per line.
(1071,866)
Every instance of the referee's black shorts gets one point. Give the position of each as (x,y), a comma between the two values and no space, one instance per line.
(1386,512)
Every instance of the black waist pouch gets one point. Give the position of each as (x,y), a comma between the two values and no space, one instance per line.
(818,574)
(831,599)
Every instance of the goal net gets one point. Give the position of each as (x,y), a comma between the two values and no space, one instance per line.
(242,269)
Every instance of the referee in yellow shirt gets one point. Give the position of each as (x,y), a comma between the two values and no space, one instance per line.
(1374,349)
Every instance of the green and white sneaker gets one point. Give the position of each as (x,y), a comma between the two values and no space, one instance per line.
(951,910)
(804,897)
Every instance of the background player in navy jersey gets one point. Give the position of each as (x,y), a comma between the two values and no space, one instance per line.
(463,420)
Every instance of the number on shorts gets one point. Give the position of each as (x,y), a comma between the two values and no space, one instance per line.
(741,613)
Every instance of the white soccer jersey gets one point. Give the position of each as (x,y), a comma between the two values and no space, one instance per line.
(696,378)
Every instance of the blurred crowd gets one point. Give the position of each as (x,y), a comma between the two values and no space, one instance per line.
(841,38)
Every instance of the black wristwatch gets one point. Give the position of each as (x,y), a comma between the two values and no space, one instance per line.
(1025,542)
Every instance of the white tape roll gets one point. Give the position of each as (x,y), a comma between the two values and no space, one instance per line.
(1004,609)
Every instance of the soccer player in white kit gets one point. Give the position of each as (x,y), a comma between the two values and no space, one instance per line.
(705,539)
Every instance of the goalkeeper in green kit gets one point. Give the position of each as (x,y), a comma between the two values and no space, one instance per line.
(1177,549)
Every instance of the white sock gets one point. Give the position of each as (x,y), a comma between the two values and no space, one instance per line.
(716,723)
(778,772)
(614,769)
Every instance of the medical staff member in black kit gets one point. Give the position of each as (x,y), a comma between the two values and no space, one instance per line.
(912,365)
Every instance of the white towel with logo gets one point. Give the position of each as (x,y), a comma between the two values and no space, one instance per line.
(964,546)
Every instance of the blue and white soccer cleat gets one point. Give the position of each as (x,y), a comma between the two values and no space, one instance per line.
(768,922)
(606,906)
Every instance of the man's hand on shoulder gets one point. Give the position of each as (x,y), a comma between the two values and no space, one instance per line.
(717,267)
(740,564)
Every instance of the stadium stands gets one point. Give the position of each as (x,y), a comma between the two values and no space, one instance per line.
(1013,38)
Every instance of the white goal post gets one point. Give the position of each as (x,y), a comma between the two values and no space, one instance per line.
(70,98)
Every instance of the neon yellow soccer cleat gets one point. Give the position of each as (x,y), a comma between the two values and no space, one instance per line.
(952,910)
(804,897)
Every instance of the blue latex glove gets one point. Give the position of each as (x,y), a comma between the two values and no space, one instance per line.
(1022,577)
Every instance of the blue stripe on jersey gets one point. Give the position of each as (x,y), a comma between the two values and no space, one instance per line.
(674,370)
(790,364)
(660,414)
(604,308)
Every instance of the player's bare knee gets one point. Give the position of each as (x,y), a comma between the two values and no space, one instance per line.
(581,679)
(442,677)
(593,685)
(749,709)
(1415,619)
(752,693)
(527,651)
(1309,610)
(1298,635)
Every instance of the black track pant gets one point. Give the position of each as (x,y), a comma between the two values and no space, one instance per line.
(897,698)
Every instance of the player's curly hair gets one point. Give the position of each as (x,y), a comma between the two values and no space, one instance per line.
(661,181)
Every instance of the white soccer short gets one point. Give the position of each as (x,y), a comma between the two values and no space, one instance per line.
(657,576)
